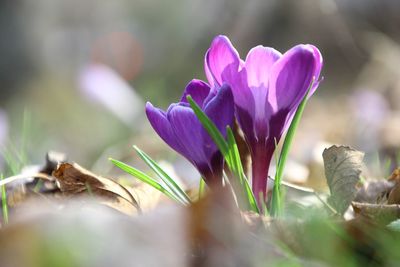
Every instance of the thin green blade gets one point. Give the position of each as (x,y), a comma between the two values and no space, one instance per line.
(171,184)
(144,178)
(202,187)
(276,207)
(238,170)
(4,201)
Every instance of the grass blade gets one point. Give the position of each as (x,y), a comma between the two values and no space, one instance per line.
(238,170)
(144,178)
(4,201)
(276,207)
(202,188)
(169,182)
(230,152)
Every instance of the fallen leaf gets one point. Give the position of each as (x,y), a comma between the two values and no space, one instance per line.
(342,170)
(374,192)
(74,180)
(53,158)
(394,194)
(146,196)
(379,213)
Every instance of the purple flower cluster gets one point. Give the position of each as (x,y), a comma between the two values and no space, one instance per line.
(262,92)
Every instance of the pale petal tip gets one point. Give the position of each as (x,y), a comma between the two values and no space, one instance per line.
(149,105)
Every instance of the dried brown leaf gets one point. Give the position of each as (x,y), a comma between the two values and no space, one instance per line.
(381,191)
(342,170)
(74,180)
(147,197)
(394,194)
(374,192)
(379,213)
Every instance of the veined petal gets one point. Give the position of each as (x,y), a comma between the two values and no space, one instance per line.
(162,126)
(318,66)
(291,76)
(220,110)
(221,61)
(246,122)
(188,130)
(199,91)
(245,105)
(258,65)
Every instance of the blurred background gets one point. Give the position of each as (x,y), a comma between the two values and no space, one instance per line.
(75,75)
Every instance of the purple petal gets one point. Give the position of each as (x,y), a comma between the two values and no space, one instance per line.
(189,131)
(220,110)
(162,126)
(318,67)
(291,76)
(279,122)
(245,105)
(243,96)
(221,60)
(258,65)
(199,91)
(246,122)
(103,85)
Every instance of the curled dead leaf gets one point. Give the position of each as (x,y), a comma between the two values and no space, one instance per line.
(374,192)
(376,212)
(342,170)
(394,194)
(74,180)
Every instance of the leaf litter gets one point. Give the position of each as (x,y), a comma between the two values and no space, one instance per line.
(212,231)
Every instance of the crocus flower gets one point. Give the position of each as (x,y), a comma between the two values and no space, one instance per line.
(101,84)
(267,88)
(181,130)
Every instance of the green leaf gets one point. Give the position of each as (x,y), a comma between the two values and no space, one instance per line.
(4,201)
(394,226)
(230,153)
(237,168)
(170,183)
(144,178)
(202,187)
(276,207)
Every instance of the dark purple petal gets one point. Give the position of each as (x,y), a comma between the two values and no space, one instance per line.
(246,122)
(199,91)
(291,76)
(245,105)
(162,126)
(220,109)
(189,133)
(278,123)
(295,72)
(221,60)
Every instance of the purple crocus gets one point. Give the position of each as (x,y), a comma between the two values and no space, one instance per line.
(267,88)
(181,130)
